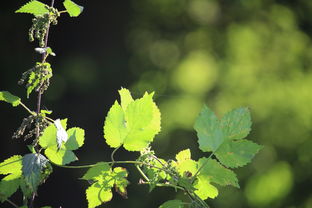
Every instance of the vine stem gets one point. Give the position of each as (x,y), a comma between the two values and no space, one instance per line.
(39,100)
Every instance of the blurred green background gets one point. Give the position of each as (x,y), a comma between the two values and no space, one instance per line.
(226,54)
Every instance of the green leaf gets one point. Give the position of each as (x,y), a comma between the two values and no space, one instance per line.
(9,98)
(236,124)
(76,138)
(172,204)
(204,189)
(73,9)
(33,168)
(12,165)
(210,135)
(235,154)
(98,194)
(60,156)
(33,82)
(8,186)
(218,174)
(125,98)
(225,138)
(48,138)
(104,180)
(120,181)
(99,169)
(34,7)
(133,127)
(64,154)
(184,164)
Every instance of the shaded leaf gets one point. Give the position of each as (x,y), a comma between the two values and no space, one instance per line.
(8,186)
(33,168)
(235,154)
(172,204)
(216,173)
(209,133)
(236,124)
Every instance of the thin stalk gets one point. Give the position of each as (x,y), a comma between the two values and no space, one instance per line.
(142,173)
(12,203)
(39,99)
(112,155)
(201,167)
(27,109)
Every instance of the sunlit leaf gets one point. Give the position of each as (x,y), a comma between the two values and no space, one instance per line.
(34,7)
(135,126)
(9,98)
(204,189)
(12,165)
(73,9)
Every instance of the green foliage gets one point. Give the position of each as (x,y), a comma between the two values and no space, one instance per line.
(225,138)
(61,155)
(73,9)
(104,179)
(35,170)
(132,124)
(172,204)
(12,167)
(34,7)
(9,98)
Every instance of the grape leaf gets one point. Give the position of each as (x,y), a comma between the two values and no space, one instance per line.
(185,165)
(98,194)
(172,204)
(34,166)
(210,135)
(235,154)
(204,189)
(218,174)
(105,179)
(34,7)
(73,9)
(132,124)
(12,165)
(236,124)
(9,98)
(225,138)
(63,154)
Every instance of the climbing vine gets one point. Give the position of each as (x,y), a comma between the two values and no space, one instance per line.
(131,124)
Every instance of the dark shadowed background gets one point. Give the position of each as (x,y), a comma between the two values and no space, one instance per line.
(254,53)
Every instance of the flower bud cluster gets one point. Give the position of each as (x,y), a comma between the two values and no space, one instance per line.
(38,77)
(40,25)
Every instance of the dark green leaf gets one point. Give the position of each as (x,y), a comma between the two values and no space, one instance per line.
(172,204)
(33,168)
